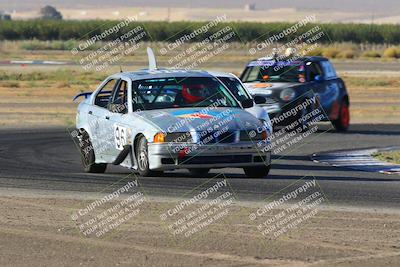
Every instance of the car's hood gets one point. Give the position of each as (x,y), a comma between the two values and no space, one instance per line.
(200,119)
(267,88)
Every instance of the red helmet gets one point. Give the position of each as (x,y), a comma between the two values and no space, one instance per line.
(192,93)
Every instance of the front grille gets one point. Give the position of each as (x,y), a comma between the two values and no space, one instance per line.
(184,137)
(217,137)
(167,161)
(260,158)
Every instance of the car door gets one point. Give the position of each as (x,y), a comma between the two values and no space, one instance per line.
(332,90)
(116,121)
(317,83)
(97,115)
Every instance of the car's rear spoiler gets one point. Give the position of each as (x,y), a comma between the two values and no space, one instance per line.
(85,94)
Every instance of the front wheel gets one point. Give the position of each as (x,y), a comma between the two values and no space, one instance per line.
(343,121)
(257,172)
(143,159)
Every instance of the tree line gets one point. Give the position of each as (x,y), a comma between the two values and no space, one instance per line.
(162,31)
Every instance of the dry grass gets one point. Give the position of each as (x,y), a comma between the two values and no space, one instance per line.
(371,54)
(392,52)
(374,99)
(36,96)
(389,156)
(61,50)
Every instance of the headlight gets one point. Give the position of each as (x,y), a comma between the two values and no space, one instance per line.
(159,137)
(288,94)
(267,125)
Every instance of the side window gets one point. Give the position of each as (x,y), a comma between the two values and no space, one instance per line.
(118,101)
(235,87)
(329,70)
(137,100)
(103,97)
(252,74)
(313,70)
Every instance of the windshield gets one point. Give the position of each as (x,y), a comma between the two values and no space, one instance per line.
(236,88)
(281,71)
(180,92)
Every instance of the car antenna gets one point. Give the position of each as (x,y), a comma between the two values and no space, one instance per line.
(152,59)
(120,68)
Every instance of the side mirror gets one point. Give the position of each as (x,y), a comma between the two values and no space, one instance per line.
(259,99)
(247,103)
(318,78)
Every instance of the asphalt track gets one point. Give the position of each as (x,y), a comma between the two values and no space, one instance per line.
(47,159)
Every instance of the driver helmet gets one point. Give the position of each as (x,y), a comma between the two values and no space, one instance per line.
(193,93)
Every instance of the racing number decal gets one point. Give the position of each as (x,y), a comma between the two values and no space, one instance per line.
(120,137)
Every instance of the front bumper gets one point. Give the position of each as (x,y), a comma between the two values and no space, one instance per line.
(168,156)
(284,113)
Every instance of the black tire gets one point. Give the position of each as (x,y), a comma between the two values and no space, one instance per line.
(343,121)
(257,172)
(88,157)
(143,159)
(198,172)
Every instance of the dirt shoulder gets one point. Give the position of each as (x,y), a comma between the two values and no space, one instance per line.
(38,228)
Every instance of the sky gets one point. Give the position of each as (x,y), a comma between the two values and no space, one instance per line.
(381,6)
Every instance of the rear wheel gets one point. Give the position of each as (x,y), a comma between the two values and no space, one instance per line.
(143,159)
(199,172)
(88,157)
(257,172)
(343,121)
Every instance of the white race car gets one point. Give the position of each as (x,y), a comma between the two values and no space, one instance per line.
(163,119)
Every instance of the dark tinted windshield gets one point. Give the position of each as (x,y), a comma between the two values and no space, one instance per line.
(180,92)
(270,71)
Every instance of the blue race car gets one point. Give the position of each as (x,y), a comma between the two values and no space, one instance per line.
(286,82)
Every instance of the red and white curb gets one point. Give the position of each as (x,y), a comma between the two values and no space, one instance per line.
(358,160)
